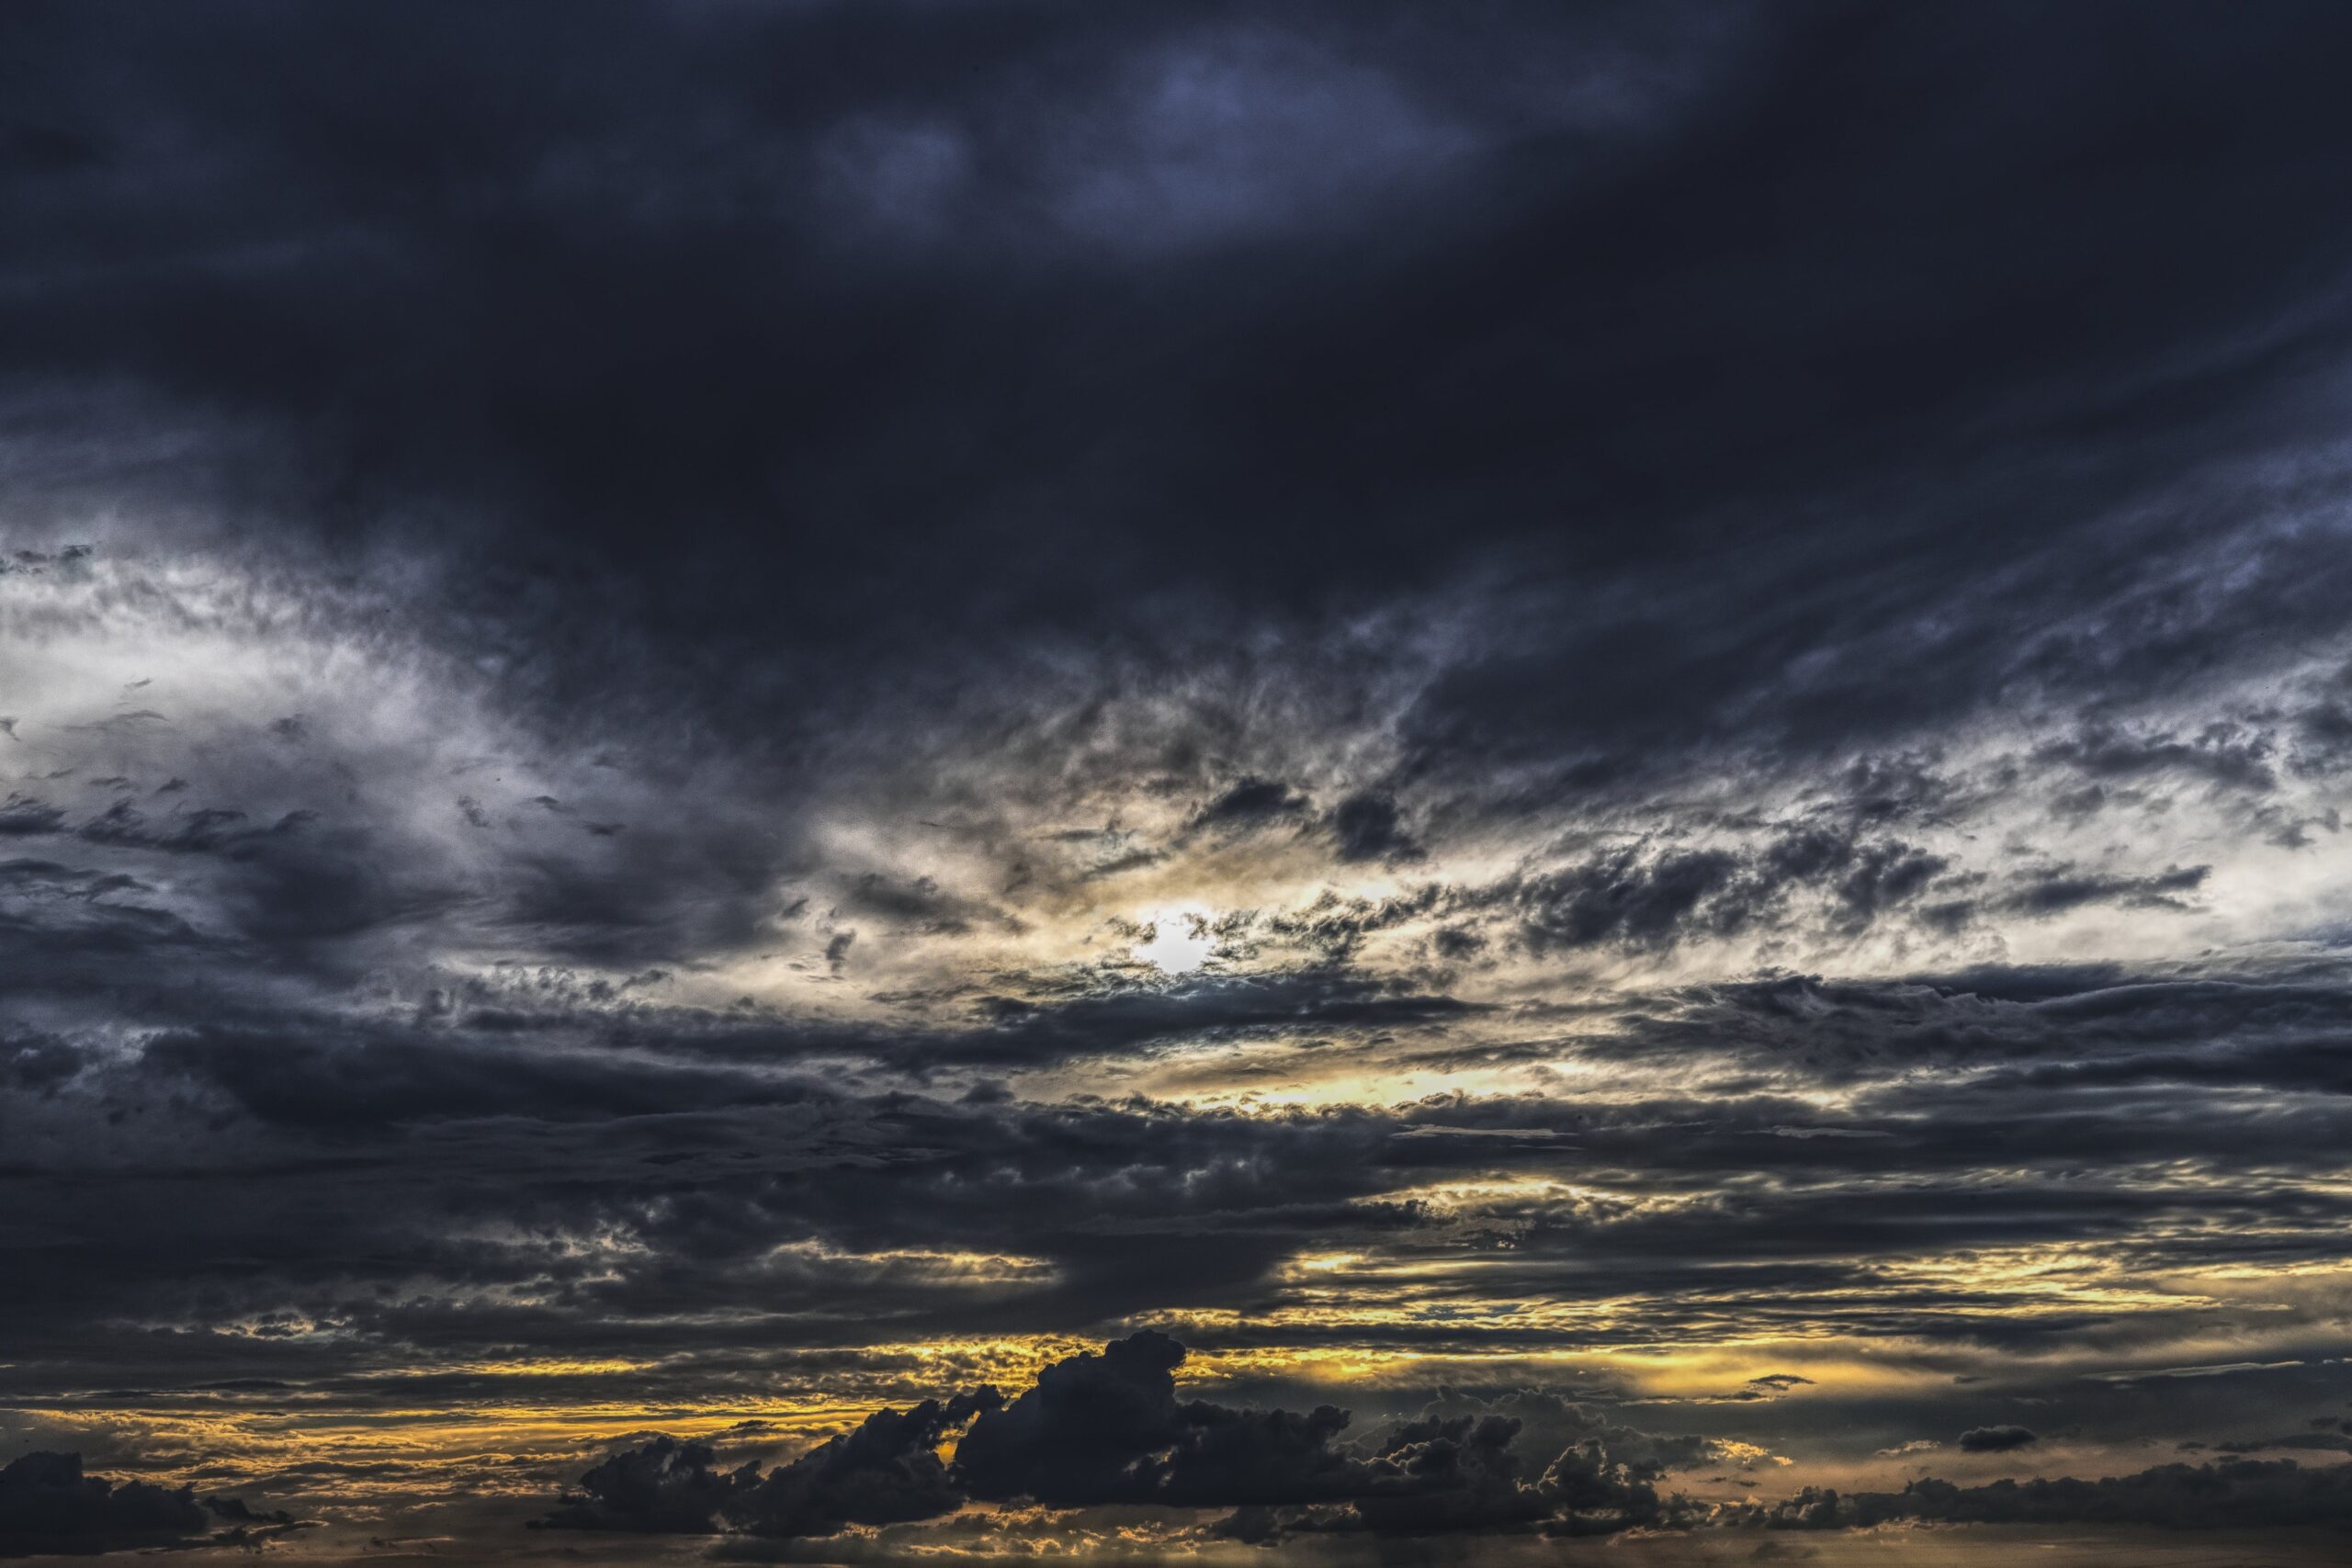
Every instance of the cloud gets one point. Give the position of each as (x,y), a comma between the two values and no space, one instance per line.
(1622,898)
(664,1487)
(1916,1446)
(2241,1493)
(1247,805)
(47,1506)
(2058,889)
(1436,1475)
(887,1471)
(1996,1440)
(603,664)
(1368,827)
(24,817)
(1106,1427)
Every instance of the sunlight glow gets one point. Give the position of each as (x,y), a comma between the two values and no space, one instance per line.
(1179,941)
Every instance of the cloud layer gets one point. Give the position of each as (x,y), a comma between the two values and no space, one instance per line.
(730,721)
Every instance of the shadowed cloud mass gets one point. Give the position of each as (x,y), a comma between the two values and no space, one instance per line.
(887,781)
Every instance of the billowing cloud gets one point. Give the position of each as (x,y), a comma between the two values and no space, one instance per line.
(48,1506)
(887,1471)
(1106,1428)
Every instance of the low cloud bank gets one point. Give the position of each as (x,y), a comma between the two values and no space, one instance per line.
(1106,1427)
(2262,1494)
(47,1506)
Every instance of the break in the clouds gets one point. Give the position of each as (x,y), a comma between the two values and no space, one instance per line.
(900,780)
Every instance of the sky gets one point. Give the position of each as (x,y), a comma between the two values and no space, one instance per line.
(945,781)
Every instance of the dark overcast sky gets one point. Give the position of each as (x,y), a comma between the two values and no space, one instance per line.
(855,782)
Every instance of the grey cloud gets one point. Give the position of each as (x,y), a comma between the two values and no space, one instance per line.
(23,817)
(1625,899)
(1500,510)
(1656,899)
(1369,826)
(2267,1494)
(1996,1440)
(2057,889)
(886,1471)
(2221,753)
(664,1487)
(48,1506)
(1248,804)
(1107,1427)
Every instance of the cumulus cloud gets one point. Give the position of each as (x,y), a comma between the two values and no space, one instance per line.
(1106,1427)
(666,1486)
(887,1471)
(48,1506)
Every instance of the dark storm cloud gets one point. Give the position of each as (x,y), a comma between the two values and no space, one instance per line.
(289,890)
(2268,1025)
(1550,1422)
(2060,888)
(332,1080)
(2227,757)
(1021,1032)
(1772,1383)
(1625,900)
(48,1506)
(664,1487)
(1435,1475)
(38,1064)
(530,521)
(690,296)
(25,817)
(742,1212)
(1369,826)
(675,431)
(1655,898)
(1996,1439)
(1107,1428)
(1884,876)
(84,932)
(2269,1494)
(1248,804)
(917,905)
(887,1471)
